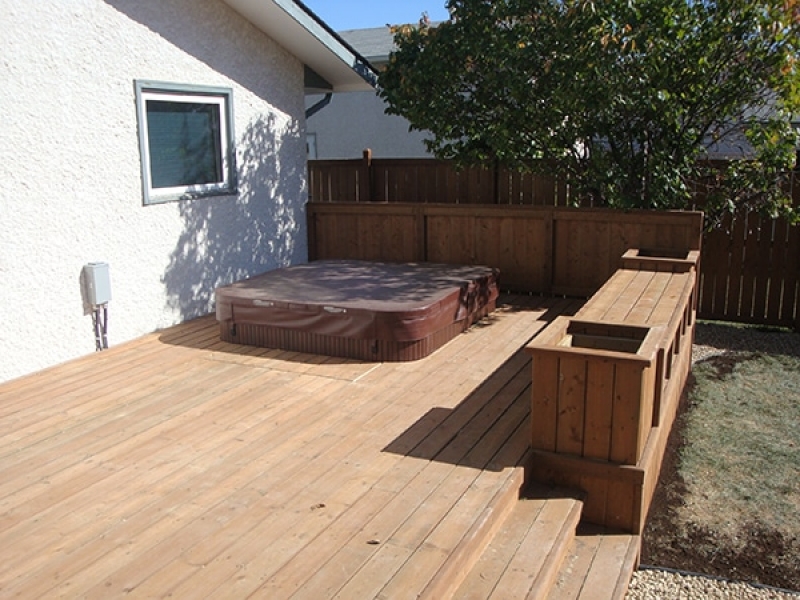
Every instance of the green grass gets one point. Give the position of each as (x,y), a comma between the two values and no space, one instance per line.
(742,451)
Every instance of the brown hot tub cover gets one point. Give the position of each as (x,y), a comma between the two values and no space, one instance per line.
(356,309)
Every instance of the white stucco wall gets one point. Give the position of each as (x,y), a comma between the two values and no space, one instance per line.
(355,121)
(70,169)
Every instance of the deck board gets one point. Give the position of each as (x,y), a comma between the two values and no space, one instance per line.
(180,464)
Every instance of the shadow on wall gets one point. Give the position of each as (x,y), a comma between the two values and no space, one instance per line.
(225,239)
(209,31)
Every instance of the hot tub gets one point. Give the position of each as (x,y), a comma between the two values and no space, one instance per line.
(357,309)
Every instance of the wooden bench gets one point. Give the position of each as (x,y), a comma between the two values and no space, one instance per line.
(606,385)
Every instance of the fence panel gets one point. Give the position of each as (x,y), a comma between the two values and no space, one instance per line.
(750,268)
(537,249)
(365,232)
(517,240)
(588,243)
(338,181)
(749,272)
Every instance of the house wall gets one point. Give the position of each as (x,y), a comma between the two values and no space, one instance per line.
(355,121)
(70,169)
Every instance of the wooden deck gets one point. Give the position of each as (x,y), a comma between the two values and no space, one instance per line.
(178,465)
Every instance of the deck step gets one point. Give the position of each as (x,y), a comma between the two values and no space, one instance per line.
(524,557)
(599,565)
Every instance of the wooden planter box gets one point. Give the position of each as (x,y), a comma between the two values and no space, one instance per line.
(593,389)
(654,259)
(607,384)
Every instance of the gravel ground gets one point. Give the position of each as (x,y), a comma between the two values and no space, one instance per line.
(716,339)
(662,584)
(657,584)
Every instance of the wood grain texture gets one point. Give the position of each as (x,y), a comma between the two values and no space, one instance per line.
(179,463)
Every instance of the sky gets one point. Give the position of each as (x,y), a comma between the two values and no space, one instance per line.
(362,14)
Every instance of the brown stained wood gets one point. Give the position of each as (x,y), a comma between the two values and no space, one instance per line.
(67,473)
(482,580)
(647,408)
(564,254)
(405,544)
(469,547)
(571,405)
(451,240)
(650,299)
(622,501)
(599,565)
(433,549)
(53,449)
(599,410)
(764,255)
(602,301)
(218,485)
(596,501)
(508,436)
(791,279)
(544,408)
(675,298)
(738,238)
(227,466)
(620,307)
(320,484)
(511,380)
(509,243)
(713,273)
(544,549)
(542,189)
(655,448)
(750,265)
(641,323)
(629,394)
(777,267)
(598,258)
(623,237)
(355,553)
(573,255)
(72,377)
(531,562)
(435,500)
(603,576)
(570,580)
(725,261)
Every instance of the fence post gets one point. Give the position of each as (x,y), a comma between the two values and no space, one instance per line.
(365,177)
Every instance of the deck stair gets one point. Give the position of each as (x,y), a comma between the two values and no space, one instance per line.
(542,551)
(598,566)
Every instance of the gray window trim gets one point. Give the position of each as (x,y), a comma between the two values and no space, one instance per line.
(144,89)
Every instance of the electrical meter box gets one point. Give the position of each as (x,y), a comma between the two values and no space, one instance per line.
(98,283)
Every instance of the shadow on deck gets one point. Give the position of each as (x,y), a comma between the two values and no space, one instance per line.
(181,465)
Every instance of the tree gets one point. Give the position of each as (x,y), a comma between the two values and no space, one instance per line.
(620,97)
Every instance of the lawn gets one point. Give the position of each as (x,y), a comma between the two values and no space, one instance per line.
(729,496)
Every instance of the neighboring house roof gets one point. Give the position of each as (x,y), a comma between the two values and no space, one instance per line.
(334,65)
(375,43)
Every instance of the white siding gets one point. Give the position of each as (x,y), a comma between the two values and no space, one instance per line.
(355,121)
(70,171)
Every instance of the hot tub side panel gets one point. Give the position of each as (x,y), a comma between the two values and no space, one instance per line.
(366,330)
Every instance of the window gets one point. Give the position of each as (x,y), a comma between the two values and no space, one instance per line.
(185,141)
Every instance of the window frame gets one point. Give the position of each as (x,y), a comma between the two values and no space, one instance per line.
(201,94)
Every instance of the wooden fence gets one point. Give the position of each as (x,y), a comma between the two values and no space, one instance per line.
(428,181)
(538,249)
(750,269)
(750,272)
